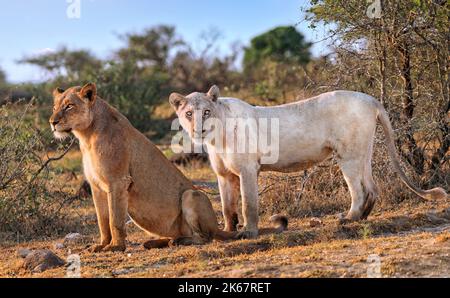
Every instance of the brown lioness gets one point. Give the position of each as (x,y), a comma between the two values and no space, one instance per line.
(129,174)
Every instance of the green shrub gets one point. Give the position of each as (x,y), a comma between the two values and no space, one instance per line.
(32,202)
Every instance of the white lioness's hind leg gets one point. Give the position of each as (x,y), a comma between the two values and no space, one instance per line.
(363,191)
(371,191)
(353,171)
(370,187)
(355,164)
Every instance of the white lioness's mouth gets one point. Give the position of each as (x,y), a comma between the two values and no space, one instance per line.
(201,137)
(203,134)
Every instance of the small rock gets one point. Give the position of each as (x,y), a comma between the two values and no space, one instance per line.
(315,222)
(23,252)
(435,219)
(75,239)
(235,273)
(121,271)
(59,245)
(447,212)
(41,260)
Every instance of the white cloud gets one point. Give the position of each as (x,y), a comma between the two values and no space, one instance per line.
(43,51)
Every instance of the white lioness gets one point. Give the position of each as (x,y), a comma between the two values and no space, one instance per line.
(310,130)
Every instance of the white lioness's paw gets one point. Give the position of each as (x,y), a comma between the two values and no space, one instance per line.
(247,234)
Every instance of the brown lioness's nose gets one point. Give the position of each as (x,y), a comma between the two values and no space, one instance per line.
(54,122)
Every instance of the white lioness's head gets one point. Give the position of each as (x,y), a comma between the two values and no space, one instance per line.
(194,111)
(72,109)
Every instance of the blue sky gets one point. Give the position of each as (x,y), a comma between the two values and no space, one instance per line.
(33,26)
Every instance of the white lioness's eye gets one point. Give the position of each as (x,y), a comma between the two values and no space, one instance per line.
(207,113)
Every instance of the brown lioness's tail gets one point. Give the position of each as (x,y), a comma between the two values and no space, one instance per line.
(279,222)
(435,193)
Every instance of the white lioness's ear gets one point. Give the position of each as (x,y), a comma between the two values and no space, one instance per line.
(89,93)
(176,99)
(214,92)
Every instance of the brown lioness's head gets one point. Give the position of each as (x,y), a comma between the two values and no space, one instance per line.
(195,109)
(72,109)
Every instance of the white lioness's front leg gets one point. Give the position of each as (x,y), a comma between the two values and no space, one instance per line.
(249,192)
(229,187)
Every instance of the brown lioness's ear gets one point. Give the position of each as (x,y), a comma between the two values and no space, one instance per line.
(176,100)
(89,93)
(58,91)
(214,92)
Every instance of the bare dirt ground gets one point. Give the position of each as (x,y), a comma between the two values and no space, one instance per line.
(410,242)
(410,239)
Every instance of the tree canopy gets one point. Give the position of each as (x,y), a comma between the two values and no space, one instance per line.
(2,77)
(281,44)
(64,62)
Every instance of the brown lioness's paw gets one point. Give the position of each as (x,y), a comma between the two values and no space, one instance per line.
(96,248)
(114,248)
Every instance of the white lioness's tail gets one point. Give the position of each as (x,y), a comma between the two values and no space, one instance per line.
(436,193)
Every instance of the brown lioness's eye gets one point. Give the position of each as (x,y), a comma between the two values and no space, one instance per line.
(189,114)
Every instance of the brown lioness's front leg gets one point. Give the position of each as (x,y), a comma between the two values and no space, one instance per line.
(101,208)
(118,207)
